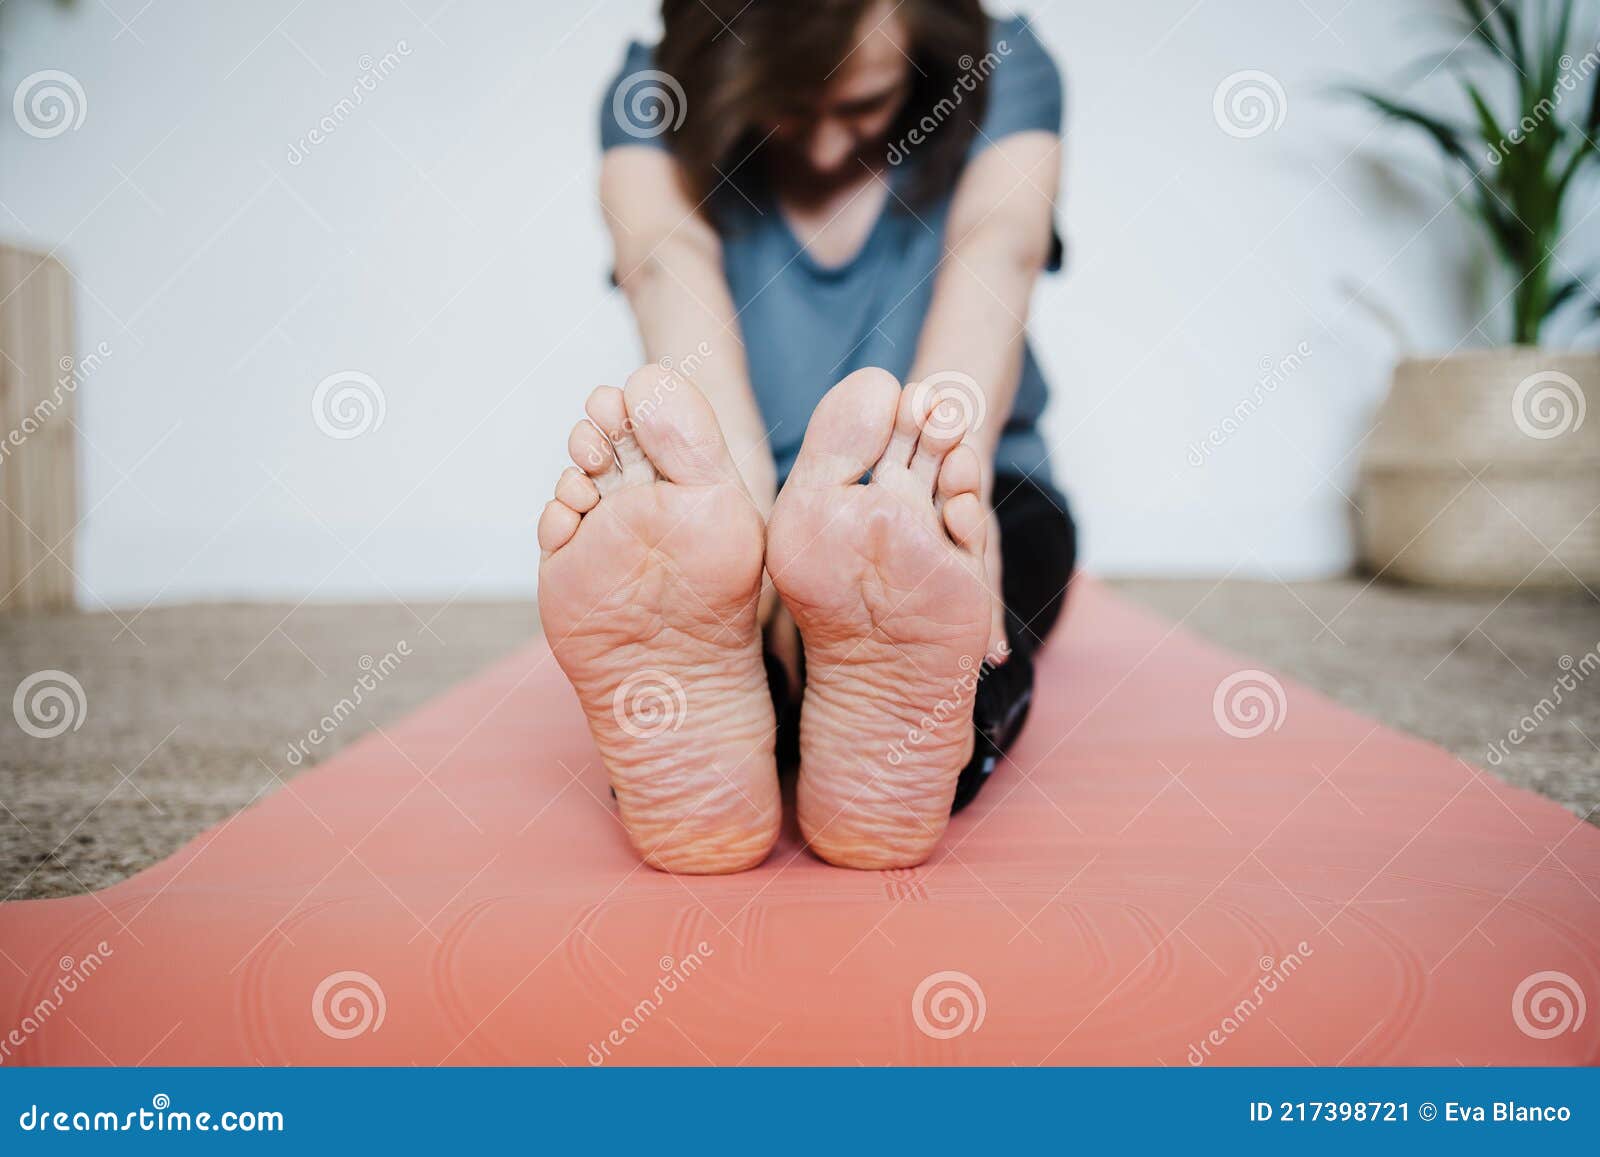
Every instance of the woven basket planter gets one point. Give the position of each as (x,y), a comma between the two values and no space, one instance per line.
(38,441)
(1483,470)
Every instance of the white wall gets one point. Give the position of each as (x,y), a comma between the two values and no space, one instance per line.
(444,240)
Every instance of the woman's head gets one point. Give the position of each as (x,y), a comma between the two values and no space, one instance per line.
(820,87)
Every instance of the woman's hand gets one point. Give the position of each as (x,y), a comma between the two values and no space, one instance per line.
(998,238)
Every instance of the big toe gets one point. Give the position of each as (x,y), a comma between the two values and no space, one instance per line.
(677,428)
(609,413)
(849,429)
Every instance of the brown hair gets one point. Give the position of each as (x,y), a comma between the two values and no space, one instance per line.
(738,61)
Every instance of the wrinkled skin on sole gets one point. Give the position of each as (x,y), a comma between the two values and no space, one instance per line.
(648,591)
(886,583)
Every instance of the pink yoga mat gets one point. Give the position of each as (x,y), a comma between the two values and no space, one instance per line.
(1184,861)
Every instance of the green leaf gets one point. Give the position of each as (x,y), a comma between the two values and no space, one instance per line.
(1447,136)
(1592,122)
(1568,291)
(1511,238)
(1507,11)
(1557,47)
(1582,154)
(1487,125)
(1483,27)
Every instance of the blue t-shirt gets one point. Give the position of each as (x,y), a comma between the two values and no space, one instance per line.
(806,325)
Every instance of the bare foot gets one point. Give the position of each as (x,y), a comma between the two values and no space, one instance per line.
(886,583)
(647,591)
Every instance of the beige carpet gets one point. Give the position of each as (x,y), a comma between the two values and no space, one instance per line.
(191,712)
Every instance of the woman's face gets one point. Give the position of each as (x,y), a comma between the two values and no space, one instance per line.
(824,143)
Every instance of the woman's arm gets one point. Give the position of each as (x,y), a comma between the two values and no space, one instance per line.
(997,241)
(669,264)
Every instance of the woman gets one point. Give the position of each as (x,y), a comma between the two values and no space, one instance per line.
(850,191)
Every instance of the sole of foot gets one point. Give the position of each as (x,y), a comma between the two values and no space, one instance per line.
(886,583)
(648,583)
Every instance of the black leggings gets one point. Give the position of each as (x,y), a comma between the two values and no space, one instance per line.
(1038,549)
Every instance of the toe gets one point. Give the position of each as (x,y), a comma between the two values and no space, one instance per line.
(961,473)
(943,427)
(849,430)
(557,525)
(903,442)
(577,490)
(963,518)
(591,451)
(607,410)
(677,428)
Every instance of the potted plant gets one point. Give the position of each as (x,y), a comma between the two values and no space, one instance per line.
(1483,468)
